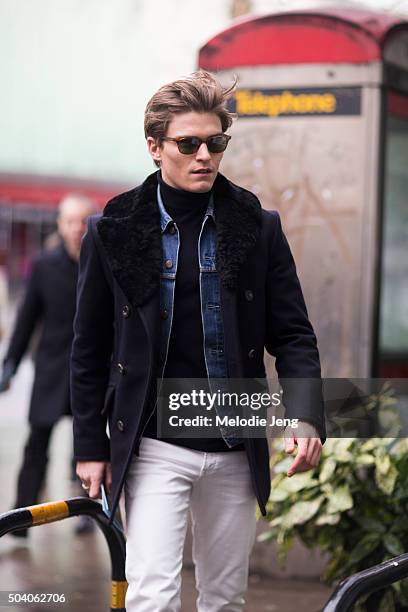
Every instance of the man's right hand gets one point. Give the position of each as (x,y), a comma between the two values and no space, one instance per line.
(93,474)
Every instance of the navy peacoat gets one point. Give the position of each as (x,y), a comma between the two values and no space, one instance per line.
(118,320)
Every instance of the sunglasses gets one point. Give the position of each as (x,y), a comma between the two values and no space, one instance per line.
(190,144)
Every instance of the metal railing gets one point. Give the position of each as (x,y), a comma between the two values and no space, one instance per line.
(367,581)
(56,511)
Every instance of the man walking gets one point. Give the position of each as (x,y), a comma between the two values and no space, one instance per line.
(50,301)
(186,277)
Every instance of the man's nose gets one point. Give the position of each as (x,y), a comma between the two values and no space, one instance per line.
(203,152)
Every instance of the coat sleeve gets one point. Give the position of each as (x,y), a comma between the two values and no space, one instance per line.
(289,334)
(29,315)
(91,353)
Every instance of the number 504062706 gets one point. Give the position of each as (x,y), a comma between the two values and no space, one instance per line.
(17,597)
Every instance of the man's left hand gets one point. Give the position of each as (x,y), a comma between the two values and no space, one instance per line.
(309,446)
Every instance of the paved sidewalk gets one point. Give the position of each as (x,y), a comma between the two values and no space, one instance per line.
(55,560)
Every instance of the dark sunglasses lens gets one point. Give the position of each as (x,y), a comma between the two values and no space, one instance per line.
(188,145)
(217,144)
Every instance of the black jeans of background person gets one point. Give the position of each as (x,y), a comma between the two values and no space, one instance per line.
(34,466)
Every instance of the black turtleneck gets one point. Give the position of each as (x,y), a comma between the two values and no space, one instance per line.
(185,357)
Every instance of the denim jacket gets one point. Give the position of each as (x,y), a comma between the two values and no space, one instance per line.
(211,316)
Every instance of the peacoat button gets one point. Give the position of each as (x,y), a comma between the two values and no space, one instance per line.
(120,425)
(121,369)
(251,353)
(126,311)
(172,230)
(164,314)
(249,296)
(169,264)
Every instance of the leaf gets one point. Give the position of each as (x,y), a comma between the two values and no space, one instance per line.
(327,489)
(386,473)
(283,465)
(369,445)
(327,470)
(340,500)
(285,542)
(365,546)
(309,494)
(393,544)
(297,482)
(301,512)
(276,521)
(328,519)
(386,479)
(278,494)
(382,461)
(389,422)
(277,480)
(401,447)
(365,459)
(341,450)
(265,537)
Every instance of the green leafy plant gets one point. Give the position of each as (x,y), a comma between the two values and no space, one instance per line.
(353,506)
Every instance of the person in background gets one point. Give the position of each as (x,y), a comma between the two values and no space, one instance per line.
(49,301)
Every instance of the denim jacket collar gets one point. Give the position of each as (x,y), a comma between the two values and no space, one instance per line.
(165,218)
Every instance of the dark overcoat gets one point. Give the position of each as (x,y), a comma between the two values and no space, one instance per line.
(49,303)
(118,320)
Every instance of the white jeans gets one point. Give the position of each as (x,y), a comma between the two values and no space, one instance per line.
(162,485)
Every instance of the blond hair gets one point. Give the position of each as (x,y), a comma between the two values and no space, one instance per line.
(200,93)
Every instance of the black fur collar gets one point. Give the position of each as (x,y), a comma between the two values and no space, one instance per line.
(130,233)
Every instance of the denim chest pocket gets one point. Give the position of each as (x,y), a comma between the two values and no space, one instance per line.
(208,263)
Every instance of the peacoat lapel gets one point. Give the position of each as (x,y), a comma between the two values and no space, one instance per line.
(130,233)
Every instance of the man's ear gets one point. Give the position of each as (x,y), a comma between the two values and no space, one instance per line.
(154,148)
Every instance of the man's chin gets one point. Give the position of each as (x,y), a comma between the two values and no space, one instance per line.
(201,184)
